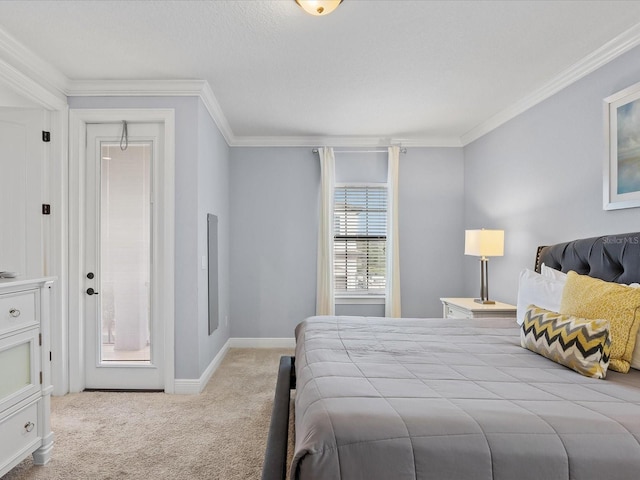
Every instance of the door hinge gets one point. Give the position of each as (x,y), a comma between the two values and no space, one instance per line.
(46,136)
(46,209)
(40,339)
(40,378)
(50,357)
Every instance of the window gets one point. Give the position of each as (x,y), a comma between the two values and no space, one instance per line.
(360,239)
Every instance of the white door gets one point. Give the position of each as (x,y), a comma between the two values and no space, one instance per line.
(123,338)
(22,191)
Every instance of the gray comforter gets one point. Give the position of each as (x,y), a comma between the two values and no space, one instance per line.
(399,399)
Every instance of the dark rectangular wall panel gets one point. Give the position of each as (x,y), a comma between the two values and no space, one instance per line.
(212,253)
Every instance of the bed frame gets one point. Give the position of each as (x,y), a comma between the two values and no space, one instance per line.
(275,458)
(614,258)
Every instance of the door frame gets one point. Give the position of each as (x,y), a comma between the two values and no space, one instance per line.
(78,120)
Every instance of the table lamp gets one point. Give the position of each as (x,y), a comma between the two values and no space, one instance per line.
(484,243)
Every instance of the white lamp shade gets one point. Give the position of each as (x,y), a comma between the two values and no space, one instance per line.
(319,7)
(484,243)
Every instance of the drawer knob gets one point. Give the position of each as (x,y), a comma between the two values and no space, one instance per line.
(29,426)
(14,312)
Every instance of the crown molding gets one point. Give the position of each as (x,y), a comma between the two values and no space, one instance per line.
(19,69)
(37,80)
(150,88)
(213,107)
(337,141)
(34,91)
(138,88)
(447,142)
(603,55)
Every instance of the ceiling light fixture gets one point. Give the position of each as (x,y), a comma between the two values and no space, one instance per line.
(318,7)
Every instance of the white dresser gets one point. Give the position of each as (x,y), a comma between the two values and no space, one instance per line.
(25,372)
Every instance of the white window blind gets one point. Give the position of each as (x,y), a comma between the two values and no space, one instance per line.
(360,239)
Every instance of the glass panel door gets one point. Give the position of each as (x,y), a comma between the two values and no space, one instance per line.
(125,252)
(123,337)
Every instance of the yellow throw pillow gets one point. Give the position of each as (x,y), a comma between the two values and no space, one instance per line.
(589,297)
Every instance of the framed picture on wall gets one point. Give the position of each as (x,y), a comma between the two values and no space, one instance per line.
(622,161)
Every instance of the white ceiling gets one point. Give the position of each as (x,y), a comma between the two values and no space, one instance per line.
(374,71)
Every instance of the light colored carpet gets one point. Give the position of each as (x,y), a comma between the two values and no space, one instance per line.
(219,434)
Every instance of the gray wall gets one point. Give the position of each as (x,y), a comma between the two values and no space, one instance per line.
(274,203)
(431,203)
(274,196)
(200,152)
(539,177)
(213,197)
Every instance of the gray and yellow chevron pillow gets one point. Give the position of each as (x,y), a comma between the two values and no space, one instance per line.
(581,344)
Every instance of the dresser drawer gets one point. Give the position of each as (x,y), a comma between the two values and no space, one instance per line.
(19,367)
(454,312)
(19,433)
(18,309)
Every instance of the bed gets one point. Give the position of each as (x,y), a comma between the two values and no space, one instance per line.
(381,398)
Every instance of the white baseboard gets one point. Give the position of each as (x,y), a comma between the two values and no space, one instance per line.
(262,342)
(194,386)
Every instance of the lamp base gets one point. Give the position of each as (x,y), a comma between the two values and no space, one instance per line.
(484,302)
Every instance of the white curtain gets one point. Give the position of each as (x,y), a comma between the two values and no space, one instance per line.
(325,304)
(392,303)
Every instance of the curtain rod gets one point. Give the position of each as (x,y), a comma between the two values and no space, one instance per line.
(377,150)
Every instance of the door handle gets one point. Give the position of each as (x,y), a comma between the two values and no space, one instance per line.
(91,291)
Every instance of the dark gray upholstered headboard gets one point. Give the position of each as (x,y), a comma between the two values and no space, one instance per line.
(614,258)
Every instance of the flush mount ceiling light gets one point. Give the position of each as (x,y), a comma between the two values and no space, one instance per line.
(319,7)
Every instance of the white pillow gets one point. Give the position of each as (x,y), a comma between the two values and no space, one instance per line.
(553,273)
(538,290)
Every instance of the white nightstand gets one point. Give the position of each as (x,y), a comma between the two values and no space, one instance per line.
(467,308)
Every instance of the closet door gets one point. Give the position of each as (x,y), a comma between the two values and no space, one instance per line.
(22,191)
